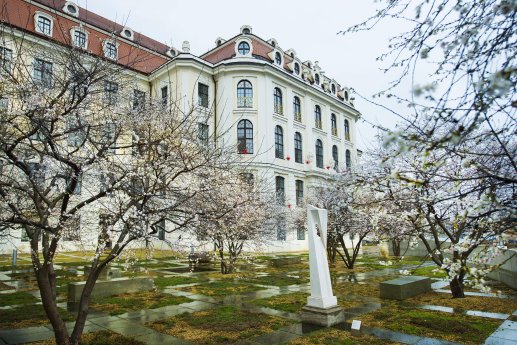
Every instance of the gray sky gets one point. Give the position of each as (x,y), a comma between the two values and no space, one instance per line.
(308,27)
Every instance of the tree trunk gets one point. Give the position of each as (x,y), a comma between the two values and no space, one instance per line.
(49,304)
(456,286)
(396,247)
(84,304)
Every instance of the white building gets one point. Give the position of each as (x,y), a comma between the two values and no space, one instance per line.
(292,122)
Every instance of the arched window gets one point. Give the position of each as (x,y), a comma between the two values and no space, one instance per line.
(280,189)
(333,123)
(296,68)
(347,130)
(245,137)
(317,79)
(298,150)
(297,109)
(243,48)
(335,157)
(319,154)
(317,117)
(244,94)
(277,98)
(299,191)
(279,142)
(278,58)
(348,160)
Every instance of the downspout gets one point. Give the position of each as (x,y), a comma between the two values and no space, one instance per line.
(215,109)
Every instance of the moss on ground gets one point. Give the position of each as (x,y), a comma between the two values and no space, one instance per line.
(487,304)
(276,280)
(28,316)
(163,282)
(429,271)
(452,327)
(119,304)
(291,303)
(16,298)
(332,336)
(99,338)
(222,288)
(224,325)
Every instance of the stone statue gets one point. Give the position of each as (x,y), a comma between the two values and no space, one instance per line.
(322,307)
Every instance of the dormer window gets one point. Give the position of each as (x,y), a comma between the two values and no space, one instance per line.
(43,23)
(127,33)
(79,37)
(317,79)
(333,89)
(346,96)
(110,50)
(71,9)
(244,48)
(296,68)
(172,52)
(246,29)
(278,58)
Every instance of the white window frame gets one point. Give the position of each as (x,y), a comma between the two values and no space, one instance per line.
(66,10)
(247,40)
(39,14)
(80,29)
(104,48)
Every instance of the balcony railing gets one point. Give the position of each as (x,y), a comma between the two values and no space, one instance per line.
(317,123)
(334,131)
(245,102)
(279,109)
(298,116)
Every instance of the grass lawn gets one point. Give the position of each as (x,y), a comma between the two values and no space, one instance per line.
(452,327)
(430,271)
(28,316)
(163,282)
(291,303)
(4,287)
(224,325)
(222,288)
(115,305)
(99,338)
(18,297)
(332,336)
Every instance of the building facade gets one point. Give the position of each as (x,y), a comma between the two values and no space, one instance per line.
(290,122)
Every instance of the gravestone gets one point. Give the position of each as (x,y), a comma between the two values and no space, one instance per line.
(404,287)
(106,273)
(283,261)
(322,308)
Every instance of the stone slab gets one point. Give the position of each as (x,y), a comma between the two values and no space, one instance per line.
(111,287)
(323,317)
(285,261)
(405,287)
(106,273)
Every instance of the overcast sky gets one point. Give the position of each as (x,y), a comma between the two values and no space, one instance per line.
(309,27)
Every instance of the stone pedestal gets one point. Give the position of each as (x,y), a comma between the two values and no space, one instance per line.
(326,317)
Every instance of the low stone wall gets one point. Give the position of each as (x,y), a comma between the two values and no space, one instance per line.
(507,273)
(419,250)
(405,287)
(110,287)
(106,273)
(285,261)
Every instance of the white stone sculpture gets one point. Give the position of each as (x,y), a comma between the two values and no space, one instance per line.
(321,287)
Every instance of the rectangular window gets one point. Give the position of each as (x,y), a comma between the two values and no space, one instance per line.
(110,92)
(300,233)
(165,97)
(281,234)
(202,133)
(160,226)
(280,189)
(299,192)
(80,39)
(109,136)
(202,92)
(6,57)
(43,72)
(76,132)
(138,100)
(110,50)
